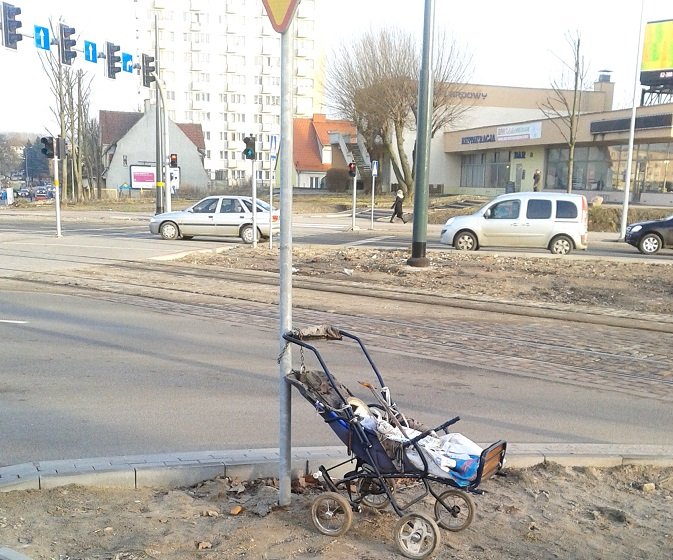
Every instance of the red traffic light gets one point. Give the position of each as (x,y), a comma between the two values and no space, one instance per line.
(351,169)
(174,160)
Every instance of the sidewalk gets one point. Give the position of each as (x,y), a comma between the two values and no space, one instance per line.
(172,470)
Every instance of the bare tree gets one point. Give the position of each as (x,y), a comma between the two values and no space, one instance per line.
(71,95)
(374,83)
(92,150)
(564,110)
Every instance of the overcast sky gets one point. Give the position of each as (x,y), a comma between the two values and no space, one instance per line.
(518,43)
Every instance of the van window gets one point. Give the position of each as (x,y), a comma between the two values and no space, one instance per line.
(538,209)
(566,209)
(506,210)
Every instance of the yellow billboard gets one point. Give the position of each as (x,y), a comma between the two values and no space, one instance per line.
(656,67)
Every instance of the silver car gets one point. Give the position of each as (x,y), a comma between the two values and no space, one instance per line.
(217,216)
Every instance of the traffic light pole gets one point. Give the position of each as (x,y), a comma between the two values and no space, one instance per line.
(355,189)
(166,150)
(57,196)
(254,204)
(159,159)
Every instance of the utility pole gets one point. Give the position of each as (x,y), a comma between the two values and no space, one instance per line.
(159,155)
(423,137)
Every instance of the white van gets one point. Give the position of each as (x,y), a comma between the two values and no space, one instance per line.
(554,221)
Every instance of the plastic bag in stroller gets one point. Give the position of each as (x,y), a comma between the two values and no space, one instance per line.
(390,450)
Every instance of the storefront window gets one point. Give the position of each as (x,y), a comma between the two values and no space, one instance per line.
(487,169)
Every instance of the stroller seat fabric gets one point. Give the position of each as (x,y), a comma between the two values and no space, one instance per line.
(451,456)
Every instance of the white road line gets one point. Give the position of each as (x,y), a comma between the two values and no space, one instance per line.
(369,240)
(13,322)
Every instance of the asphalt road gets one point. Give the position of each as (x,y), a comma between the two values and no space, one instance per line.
(95,374)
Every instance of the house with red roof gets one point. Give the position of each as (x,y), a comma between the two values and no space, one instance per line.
(321,144)
(129,151)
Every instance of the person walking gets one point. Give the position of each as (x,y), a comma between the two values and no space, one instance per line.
(536,180)
(397,207)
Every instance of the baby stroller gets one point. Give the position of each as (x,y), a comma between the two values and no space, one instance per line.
(390,451)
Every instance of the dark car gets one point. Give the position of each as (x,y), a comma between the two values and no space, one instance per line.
(41,193)
(650,236)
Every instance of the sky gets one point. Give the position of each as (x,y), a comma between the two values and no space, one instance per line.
(521,44)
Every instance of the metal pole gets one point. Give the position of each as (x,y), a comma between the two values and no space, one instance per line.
(372,216)
(57,195)
(286,147)
(159,167)
(254,201)
(423,137)
(355,188)
(632,132)
(270,216)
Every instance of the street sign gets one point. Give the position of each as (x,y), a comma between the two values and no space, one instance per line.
(90,52)
(127,62)
(280,13)
(42,37)
(375,168)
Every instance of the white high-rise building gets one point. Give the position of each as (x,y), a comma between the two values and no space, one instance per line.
(220,63)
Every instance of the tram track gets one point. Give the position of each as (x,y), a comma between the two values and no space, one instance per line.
(546,347)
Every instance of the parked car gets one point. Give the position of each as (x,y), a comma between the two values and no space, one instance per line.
(217,216)
(650,236)
(554,221)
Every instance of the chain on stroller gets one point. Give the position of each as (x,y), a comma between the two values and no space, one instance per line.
(391,452)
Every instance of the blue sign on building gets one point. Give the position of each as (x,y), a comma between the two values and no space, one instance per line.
(42,37)
(127,62)
(90,52)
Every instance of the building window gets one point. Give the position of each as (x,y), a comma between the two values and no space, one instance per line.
(485,169)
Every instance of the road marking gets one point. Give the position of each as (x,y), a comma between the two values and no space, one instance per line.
(13,322)
(369,240)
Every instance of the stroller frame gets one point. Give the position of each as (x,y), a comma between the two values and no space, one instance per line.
(375,471)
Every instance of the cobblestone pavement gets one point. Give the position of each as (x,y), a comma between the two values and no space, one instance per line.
(620,358)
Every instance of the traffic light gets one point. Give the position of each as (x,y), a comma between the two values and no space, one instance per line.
(174,160)
(60,148)
(66,44)
(48,146)
(113,60)
(10,24)
(352,171)
(249,152)
(149,68)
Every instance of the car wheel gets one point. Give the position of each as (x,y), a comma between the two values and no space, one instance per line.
(246,234)
(561,245)
(169,230)
(465,241)
(649,244)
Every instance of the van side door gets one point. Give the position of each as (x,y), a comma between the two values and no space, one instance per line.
(536,224)
(500,226)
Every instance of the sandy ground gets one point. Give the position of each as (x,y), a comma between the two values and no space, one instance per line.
(543,512)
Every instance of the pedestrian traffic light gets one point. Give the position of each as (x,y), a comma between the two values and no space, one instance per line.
(249,152)
(351,169)
(113,60)
(66,44)
(10,24)
(48,146)
(148,69)
(174,160)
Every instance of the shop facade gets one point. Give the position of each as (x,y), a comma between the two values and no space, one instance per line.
(491,160)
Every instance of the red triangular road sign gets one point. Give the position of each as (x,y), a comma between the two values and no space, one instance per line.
(280,13)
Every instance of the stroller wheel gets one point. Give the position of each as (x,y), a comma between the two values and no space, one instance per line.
(372,494)
(417,535)
(332,514)
(454,510)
